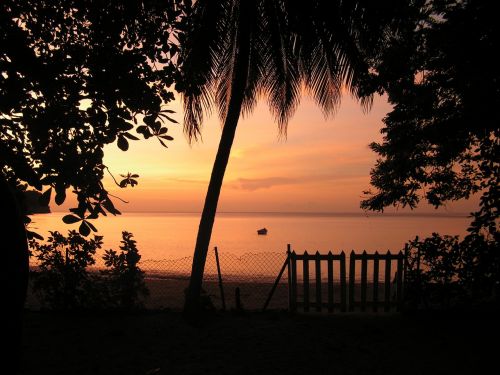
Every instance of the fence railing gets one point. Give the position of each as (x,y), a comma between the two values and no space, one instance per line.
(255,281)
(320,288)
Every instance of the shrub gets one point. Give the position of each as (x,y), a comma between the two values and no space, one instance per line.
(124,278)
(63,281)
(443,271)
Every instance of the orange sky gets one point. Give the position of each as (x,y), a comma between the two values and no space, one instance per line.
(323,166)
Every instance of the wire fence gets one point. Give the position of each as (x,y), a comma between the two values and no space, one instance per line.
(245,281)
(252,273)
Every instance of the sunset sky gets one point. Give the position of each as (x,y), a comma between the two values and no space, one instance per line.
(322,166)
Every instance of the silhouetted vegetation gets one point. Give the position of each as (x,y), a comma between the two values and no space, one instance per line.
(124,278)
(32,205)
(442,141)
(63,280)
(444,272)
(74,77)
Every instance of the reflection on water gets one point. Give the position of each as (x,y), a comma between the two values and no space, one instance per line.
(173,235)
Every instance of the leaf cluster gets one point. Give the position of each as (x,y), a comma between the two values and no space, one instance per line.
(123,276)
(441,141)
(78,75)
(62,280)
(321,45)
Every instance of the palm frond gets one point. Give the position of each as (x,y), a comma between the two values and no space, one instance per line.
(256,67)
(200,52)
(319,44)
(281,74)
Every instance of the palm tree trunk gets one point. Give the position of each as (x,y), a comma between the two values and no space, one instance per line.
(14,274)
(193,306)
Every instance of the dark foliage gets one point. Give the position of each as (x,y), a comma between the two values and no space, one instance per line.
(77,75)
(124,278)
(322,46)
(63,281)
(32,204)
(442,139)
(444,272)
(442,142)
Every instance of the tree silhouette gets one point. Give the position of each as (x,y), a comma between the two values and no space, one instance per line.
(235,51)
(442,139)
(74,76)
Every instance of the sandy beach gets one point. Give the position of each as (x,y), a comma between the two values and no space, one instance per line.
(167,293)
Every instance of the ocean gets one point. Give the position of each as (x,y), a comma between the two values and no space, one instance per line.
(163,236)
(249,261)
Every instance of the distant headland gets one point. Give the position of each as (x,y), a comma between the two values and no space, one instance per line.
(32,204)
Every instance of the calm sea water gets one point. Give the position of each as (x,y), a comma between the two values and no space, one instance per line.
(173,235)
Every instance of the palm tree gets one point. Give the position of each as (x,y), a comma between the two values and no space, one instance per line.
(235,51)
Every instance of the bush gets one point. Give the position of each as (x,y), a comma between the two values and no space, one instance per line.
(63,281)
(125,279)
(444,272)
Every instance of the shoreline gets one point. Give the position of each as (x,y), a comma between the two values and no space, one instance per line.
(297,214)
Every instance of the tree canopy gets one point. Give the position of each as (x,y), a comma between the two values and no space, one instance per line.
(320,45)
(442,139)
(76,75)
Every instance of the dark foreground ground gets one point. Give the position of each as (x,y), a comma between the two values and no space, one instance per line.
(271,343)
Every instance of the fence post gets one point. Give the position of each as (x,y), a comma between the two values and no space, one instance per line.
(220,279)
(293,299)
(387,282)
(343,284)
(399,282)
(305,264)
(375,280)
(319,301)
(364,266)
(330,282)
(276,282)
(237,299)
(289,274)
(352,271)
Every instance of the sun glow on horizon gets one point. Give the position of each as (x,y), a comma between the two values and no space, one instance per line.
(322,166)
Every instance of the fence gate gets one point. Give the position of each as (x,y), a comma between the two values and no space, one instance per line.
(313,282)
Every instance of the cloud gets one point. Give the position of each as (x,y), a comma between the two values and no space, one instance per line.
(252,184)
(189,181)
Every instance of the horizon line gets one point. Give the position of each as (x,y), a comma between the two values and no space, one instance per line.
(318,213)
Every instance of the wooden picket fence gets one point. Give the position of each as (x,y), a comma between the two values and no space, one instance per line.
(343,292)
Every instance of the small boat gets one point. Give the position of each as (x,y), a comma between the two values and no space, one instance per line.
(262,231)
